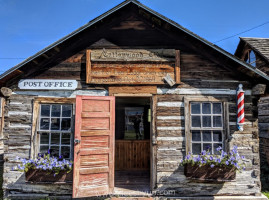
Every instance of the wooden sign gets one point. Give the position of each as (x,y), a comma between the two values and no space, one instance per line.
(118,66)
(44,84)
(152,55)
(130,73)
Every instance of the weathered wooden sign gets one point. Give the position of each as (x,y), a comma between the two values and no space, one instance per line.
(152,55)
(44,84)
(130,73)
(125,66)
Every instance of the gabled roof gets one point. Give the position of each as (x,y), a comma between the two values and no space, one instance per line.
(260,45)
(123,4)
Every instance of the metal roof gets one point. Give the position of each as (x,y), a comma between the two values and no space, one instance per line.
(92,22)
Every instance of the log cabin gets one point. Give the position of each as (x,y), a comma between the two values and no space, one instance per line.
(255,51)
(83,96)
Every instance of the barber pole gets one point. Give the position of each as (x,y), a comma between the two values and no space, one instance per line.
(240,107)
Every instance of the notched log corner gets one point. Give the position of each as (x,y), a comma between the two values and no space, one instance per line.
(6,92)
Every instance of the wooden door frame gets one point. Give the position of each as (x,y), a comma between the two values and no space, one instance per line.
(153,106)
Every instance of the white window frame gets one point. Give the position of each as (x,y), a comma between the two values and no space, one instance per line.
(49,131)
(35,136)
(211,128)
(188,128)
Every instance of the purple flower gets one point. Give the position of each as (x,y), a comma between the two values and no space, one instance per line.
(212,165)
(227,162)
(219,148)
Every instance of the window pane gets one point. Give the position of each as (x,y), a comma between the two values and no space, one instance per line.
(44,124)
(196,121)
(206,108)
(196,148)
(195,108)
(55,138)
(67,110)
(54,151)
(215,147)
(45,110)
(217,136)
(44,138)
(55,124)
(44,149)
(66,138)
(216,108)
(66,152)
(56,110)
(207,147)
(196,136)
(217,121)
(66,124)
(206,121)
(207,136)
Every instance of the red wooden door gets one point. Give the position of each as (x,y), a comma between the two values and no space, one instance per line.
(94,146)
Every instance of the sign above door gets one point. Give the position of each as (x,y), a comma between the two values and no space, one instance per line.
(132,66)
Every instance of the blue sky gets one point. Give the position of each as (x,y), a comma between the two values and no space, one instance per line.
(27,26)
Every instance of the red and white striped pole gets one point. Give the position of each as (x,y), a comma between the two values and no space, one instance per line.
(240,107)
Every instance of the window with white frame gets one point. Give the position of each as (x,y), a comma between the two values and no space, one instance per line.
(206,126)
(55,129)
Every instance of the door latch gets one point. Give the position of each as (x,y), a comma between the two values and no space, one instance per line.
(76,141)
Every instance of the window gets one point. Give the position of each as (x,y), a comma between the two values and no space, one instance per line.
(251,58)
(206,126)
(55,129)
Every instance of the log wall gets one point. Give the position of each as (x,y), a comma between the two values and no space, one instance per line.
(264,140)
(200,77)
(171,140)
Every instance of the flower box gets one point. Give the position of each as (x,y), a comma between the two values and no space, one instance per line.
(205,172)
(42,176)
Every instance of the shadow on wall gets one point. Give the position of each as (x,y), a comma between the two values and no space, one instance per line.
(264,155)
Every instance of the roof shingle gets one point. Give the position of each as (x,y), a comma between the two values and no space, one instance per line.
(261,45)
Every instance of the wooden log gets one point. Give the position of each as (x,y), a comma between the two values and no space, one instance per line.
(168,97)
(168,111)
(6,92)
(170,123)
(258,89)
(171,133)
(132,90)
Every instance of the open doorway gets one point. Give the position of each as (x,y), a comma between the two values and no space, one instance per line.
(132,145)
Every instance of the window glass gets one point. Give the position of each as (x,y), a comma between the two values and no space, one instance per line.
(195,108)
(196,121)
(207,136)
(196,136)
(196,148)
(206,121)
(206,108)
(206,126)
(55,129)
